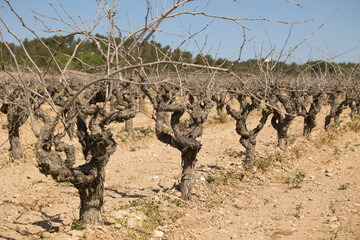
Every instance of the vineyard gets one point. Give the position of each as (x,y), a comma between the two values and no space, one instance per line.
(108,137)
(310,191)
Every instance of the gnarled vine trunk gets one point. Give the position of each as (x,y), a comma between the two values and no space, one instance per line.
(247,137)
(281,121)
(129,128)
(249,144)
(92,199)
(309,125)
(16,117)
(334,110)
(188,157)
(182,138)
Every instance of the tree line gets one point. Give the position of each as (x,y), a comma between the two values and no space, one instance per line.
(88,59)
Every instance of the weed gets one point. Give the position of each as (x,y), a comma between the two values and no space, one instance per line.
(326,138)
(264,163)
(353,126)
(332,207)
(176,202)
(143,132)
(218,119)
(287,180)
(133,149)
(344,186)
(153,218)
(292,141)
(298,209)
(333,237)
(337,151)
(66,185)
(184,123)
(225,178)
(296,181)
(77,225)
(266,201)
(174,217)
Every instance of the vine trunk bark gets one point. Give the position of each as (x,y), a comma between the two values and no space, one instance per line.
(188,157)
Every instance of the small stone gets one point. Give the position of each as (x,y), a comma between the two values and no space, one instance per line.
(202,179)
(110,221)
(312,177)
(118,226)
(28,177)
(329,174)
(134,223)
(158,234)
(16,195)
(333,219)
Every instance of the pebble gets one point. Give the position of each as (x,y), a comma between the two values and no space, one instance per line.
(134,223)
(329,174)
(118,226)
(110,221)
(158,234)
(16,195)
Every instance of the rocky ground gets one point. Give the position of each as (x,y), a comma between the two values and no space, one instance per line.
(311,192)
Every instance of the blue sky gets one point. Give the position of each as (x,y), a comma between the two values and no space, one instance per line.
(339,37)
